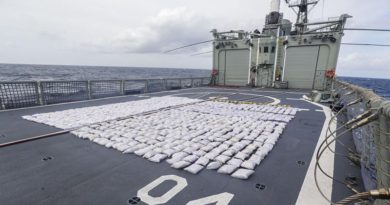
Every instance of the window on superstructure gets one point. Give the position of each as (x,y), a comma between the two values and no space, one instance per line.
(266,49)
(273,49)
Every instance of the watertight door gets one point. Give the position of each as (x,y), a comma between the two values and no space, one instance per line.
(236,67)
(322,65)
(300,68)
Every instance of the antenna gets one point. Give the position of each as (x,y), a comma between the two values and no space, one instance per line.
(303,12)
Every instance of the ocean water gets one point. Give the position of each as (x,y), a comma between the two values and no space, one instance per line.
(19,72)
(380,86)
(22,72)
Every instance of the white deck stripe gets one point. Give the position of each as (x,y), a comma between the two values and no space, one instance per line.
(257,90)
(309,193)
(275,100)
(294,99)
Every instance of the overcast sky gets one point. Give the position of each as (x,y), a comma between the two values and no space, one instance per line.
(134,33)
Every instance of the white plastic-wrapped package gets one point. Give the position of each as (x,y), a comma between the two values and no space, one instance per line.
(189,150)
(179,155)
(143,151)
(157,158)
(256,159)
(242,173)
(191,158)
(214,165)
(249,164)
(262,153)
(199,153)
(235,162)
(122,147)
(227,169)
(211,155)
(241,155)
(207,148)
(149,154)
(222,158)
(202,161)
(194,169)
(130,150)
(229,152)
(180,164)
(173,160)
(169,152)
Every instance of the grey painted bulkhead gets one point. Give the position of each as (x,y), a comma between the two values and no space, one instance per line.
(235,58)
(231,59)
(302,60)
(308,57)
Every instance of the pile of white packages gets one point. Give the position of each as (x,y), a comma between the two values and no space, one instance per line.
(230,138)
(85,116)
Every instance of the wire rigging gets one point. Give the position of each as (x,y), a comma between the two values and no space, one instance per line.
(190,45)
(347,44)
(197,54)
(367,29)
(366,44)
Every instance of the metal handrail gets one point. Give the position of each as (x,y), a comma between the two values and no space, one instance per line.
(377,132)
(371,97)
(16,94)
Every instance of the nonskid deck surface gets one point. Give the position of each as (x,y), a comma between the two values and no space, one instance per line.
(68,170)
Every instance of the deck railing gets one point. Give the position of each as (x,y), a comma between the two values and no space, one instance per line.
(35,93)
(372,140)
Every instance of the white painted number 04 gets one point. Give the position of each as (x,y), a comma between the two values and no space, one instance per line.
(143,194)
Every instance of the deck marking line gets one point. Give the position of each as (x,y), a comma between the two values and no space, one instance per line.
(275,100)
(219,199)
(304,109)
(309,193)
(294,99)
(143,193)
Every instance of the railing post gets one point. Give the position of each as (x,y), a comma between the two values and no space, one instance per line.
(2,98)
(89,89)
(192,82)
(164,82)
(39,91)
(166,85)
(122,87)
(181,86)
(146,86)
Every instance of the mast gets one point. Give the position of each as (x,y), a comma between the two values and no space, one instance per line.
(302,13)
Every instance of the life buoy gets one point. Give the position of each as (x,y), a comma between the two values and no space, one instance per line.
(214,72)
(330,73)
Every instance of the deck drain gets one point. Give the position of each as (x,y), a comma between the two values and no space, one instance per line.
(47,158)
(301,163)
(134,200)
(260,186)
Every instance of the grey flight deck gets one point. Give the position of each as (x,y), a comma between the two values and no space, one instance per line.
(68,170)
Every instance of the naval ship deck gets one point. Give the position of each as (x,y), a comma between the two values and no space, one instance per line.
(67,170)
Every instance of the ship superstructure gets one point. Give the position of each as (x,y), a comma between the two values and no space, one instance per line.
(301,55)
